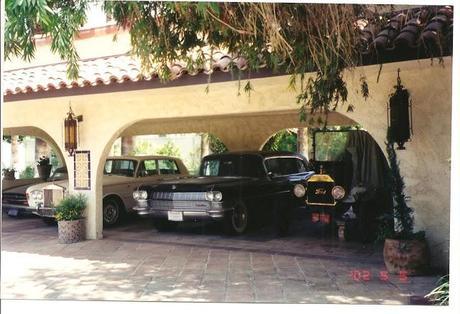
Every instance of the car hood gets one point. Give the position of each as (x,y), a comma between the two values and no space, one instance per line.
(107,180)
(61,183)
(199,184)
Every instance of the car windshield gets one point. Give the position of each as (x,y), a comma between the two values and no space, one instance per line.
(120,167)
(281,166)
(59,174)
(219,167)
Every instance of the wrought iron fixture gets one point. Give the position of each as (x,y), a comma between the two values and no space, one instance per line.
(399,115)
(71,131)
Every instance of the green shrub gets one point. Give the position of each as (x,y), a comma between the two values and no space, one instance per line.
(71,207)
(27,173)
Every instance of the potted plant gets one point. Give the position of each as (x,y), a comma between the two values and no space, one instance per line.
(8,173)
(69,216)
(404,250)
(44,167)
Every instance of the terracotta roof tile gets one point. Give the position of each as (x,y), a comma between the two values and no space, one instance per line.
(106,70)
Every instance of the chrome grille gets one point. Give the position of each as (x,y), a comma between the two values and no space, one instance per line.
(179,205)
(52,197)
(14,199)
(179,196)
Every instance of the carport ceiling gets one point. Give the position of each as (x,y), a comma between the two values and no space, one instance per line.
(237,131)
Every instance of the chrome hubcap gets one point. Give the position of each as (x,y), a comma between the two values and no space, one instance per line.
(110,214)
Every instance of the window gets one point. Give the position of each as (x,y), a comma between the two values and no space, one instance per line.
(210,168)
(148,168)
(282,166)
(168,166)
(120,167)
(219,167)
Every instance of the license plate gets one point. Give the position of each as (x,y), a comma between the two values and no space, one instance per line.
(175,216)
(13,212)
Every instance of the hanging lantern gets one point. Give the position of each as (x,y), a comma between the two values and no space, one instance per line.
(399,115)
(71,132)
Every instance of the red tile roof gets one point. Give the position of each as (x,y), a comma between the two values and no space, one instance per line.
(102,71)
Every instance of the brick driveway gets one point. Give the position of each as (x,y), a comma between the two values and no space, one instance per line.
(196,263)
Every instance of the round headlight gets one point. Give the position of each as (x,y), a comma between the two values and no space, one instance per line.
(338,192)
(217,196)
(140,195)
(209,196)
(299,190)
(37,195)
(143,195)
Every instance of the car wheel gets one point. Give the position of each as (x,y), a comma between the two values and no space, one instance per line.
(164,225)
(237,221)
(111,212)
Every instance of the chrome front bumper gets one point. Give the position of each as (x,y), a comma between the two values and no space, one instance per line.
(43,212)
(191,210)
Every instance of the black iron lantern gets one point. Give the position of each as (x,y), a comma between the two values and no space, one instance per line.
(71,131)
(399,115)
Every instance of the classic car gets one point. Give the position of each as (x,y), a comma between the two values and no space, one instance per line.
(349,184)
(121,176)
(14,199)
(231,187)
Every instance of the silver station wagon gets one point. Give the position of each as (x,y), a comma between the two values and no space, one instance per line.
(122,175)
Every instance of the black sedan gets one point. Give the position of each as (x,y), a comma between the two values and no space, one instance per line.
(232,187)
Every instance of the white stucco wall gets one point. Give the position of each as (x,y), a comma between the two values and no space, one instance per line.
(246,123)
(425,162)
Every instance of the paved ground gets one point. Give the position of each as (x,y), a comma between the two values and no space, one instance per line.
(197,263)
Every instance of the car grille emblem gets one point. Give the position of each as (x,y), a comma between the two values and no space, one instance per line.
(173,187)
(320,191)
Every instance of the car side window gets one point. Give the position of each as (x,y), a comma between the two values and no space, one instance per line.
(301,167)
(284,166)
(148,168)
(168,166)
(120,167)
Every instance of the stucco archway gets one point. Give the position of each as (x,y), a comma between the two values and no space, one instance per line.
(39,133)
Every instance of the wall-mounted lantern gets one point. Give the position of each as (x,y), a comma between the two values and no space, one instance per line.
(399,115)
(71,131)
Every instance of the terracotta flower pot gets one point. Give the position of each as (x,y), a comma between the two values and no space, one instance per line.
(44,171)
(410,256)
(71,231)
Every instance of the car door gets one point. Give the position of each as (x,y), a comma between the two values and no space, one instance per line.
(259,188)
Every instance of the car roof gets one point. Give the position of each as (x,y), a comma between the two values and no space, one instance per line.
(149,157)
(263,154)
